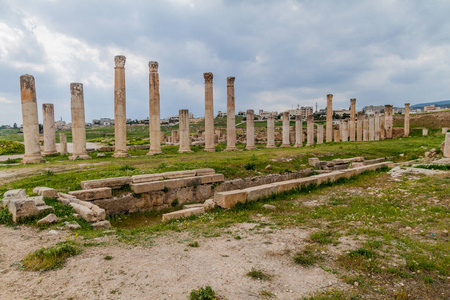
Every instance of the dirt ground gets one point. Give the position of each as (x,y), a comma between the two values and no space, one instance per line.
(168,269)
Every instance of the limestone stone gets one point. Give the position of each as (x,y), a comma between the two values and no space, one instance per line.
(105,224)
(120,114)
(359,128)
(352,119)
(444,130)
(371,128)
(310,130)
(84,212)
(21,208)
(337,135)
(30,120)
(114,183)
(447,145)
(92,194)
(187,206)
(49,219)
(286,185)
(329,121)
(377,127)
(146,177)
(424,132)
(260,191)
(209,112)
(72,225)
(78,122)
(179,174)
(45,192)
(319,134)
(298,131)
(11,195)
(205,171)
(231,115)
(184,130)
(406,124)
(270,131)
(183,213)
(250,121)
(230,199)
(63,144)
(286,142)
(269,207)
(154,114)
(209,204)
(146,187)
(48,112)
(388,120)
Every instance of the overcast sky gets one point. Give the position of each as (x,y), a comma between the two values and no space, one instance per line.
(282,53)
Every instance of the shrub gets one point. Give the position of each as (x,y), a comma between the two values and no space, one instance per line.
(127,168)
(206,293)
(11,147)
(250,166)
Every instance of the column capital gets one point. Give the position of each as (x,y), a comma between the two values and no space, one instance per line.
(250,112)
(153,66)
(330,96)
(120,61)
(27,82)
(353,100)
(76,89)
(285,113)
(230,81)
(208,77)
(407,104)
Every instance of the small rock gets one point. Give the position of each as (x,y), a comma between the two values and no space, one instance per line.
(209,204)
(101,224)
(53,232)
(408,228)
(356,283)
(49,219)
(269,207)
(101,154)
(445,232)
(75,215)
(401,154)
(268,167)
(73,225)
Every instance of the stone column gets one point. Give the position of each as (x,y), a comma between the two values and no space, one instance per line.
(382,128)
(120,115)
(209,113)
(30,120)
(366,128)
(319,133)
(388,120)
(406,126)
(310,130)
(377,126)
(270,131)
(184,130)
(250,129)
(329,124)
(286,142)
(78,122)
(359,128)
(447,145)
(371,128)
(63,144)
(345,131)
(298,131)
(352,119)
(337,135)
(154,121)
(175,139)
(231,115)
(49,129)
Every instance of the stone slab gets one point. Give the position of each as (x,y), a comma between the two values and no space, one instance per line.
(287,185)
(84,212)
(206,171)
(179,174)
(20,208)
(230,198)
(187,206)
(146,187)
(195,211)
(45,192)
(92,194)
(261,191)
(146,178)
(113,183)
(12,194)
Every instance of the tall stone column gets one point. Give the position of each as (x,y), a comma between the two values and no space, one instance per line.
(30,120)
(406,126)
(174,136)
(78,122)
(366,128)
(270,131)
(382,127)
(344,135)
(154,118)
(62,144)
(359,127)
(310,130)
(250,129)
(231,115)
(447,145)
(371,128)
(377,126)
(329,124)
(184,130)
(319,133)
(49,129)
(388,120)
(209,113)
(286,142)
(352,119)
(298,131)
(120,114)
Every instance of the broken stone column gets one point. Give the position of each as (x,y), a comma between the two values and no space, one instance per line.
(382,128)
(270,131)
(209,113)
(231,115)
(447,145)
(63,144)
(120,110)
(49,129)
(359,128)
(286,142)
(30,120)
(184,131)
(406,126)
(366,128)
(298,131)
(319,133)
(371,128)
(388,118)
(352,119)
(329,125)
(78,122)
(337,135)
(377,126)
(175,139)
(154,118)
(310,130)
(250,129)
(345,130)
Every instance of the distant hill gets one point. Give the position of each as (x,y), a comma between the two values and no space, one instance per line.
(444,103)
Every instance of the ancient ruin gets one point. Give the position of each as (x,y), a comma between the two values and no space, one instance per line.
(48,112)
(120,115)
(231,115)
(78,122)
(209,113)
(155,115)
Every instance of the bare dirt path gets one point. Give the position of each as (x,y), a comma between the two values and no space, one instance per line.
(169,269)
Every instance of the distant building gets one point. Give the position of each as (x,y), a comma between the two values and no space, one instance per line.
(263,115)
(431,107)
(221,114)
(241,113)
(103,122)
(59,125)
(373,109)
(341,112)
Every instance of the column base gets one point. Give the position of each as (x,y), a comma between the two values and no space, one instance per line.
(230,149)
(250,147)
(121,154)
(49,153)
(298,145)
(32,159)
(307,145)
(184,150)
(79,156)
(271,146)
(210,149)
(153,152)
(285,145)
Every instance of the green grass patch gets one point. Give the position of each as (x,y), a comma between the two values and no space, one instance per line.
(259,274)
(203,293)
(434,167)
(50,258)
